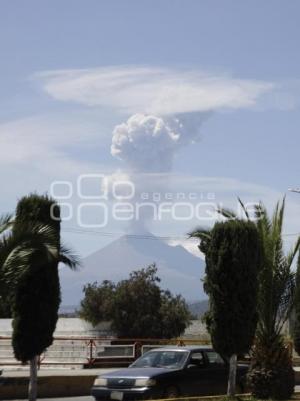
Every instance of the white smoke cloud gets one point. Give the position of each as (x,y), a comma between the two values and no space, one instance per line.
(149,143)
(158,91)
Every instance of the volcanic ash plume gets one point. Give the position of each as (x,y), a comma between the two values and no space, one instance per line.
(149,143)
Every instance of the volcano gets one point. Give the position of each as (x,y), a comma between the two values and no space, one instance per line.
(179,270)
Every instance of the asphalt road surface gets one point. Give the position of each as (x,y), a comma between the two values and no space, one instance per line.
(89,398)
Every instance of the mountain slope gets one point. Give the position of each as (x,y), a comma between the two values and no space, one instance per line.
(198,308)
(179,270)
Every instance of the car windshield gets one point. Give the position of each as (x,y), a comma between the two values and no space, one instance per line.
(161,359)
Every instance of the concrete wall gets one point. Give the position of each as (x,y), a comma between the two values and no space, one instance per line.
(78,327)
(67,327)
(196,330)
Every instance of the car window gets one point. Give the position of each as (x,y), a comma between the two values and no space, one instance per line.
(171,358)
(196,359)
(161,359)
(214,358)
(147,360)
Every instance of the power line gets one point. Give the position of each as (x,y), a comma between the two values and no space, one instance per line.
(115,234)
(138,236)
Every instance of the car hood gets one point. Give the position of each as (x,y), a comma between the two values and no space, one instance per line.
(136,372)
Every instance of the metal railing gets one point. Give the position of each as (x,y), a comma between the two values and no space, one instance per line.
(92,351)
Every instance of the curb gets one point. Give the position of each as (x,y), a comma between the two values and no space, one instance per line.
(51,386)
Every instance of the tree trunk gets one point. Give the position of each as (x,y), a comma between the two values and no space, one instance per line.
(32,390)
(232,376)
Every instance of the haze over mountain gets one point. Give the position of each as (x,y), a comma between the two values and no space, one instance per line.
(179,270)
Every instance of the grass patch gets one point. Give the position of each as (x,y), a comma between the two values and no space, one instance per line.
(296,396)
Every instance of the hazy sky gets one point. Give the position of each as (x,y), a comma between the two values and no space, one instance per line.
(72,70)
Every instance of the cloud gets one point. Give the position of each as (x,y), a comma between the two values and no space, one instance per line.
(37,150)
(159,91)
(41,138)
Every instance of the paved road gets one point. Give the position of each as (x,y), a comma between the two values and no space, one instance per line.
(88,398)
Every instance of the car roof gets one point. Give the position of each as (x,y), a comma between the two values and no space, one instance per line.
(183,348)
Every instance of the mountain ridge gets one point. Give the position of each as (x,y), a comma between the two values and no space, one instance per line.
(179,270)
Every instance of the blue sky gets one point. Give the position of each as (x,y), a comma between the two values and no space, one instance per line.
(55,124)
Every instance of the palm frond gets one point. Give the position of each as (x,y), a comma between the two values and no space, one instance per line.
(5,222)
(200,232)
(278,216)
(286,300)
(293,252)
(277,281)
(67,257)
(244,208)
(32,244)
(227,213)
(204,236)
(32,236)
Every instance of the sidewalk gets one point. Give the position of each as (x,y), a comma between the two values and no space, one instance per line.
(45,372)
(51,382)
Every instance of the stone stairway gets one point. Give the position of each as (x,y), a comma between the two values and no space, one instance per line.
(69,352)
(6,352)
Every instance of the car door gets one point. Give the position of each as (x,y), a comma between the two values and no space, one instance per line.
(217,369)
(195,380)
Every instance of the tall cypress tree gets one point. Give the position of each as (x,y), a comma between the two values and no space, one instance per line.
(33,270)
(30,254)
(37,297)
(232,265)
